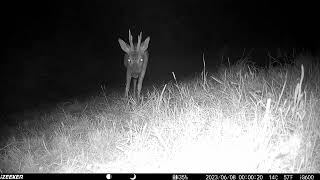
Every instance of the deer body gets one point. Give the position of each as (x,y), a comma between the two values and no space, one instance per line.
(136,61)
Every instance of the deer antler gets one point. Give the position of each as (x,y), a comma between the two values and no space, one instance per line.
(130,40)
(139,41)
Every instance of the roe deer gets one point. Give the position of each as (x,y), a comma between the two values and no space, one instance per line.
(136,61)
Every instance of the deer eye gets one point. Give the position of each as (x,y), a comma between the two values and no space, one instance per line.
(141,60)
(129,60)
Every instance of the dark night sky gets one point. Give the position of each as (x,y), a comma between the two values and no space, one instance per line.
(57,50)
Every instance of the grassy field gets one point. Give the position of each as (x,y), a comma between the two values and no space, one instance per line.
(241,119)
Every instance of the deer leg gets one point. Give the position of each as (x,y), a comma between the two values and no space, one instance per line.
(134,87)
(127,85)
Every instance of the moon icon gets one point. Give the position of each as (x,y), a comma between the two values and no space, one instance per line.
(108,176)
(134,177)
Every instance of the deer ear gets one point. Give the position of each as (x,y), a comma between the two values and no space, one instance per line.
(124,46)
(145,44)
